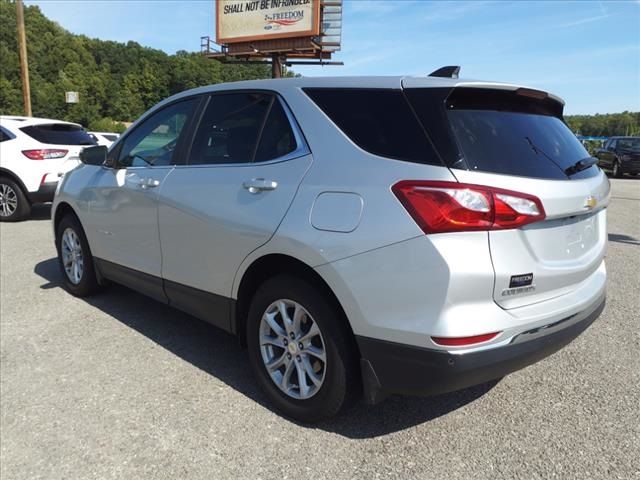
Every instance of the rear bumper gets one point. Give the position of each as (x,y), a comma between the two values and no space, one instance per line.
(389,367)
(44,194)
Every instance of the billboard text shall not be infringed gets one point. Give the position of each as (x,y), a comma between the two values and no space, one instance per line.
(247,20)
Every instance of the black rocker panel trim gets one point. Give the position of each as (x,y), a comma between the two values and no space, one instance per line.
(214,309)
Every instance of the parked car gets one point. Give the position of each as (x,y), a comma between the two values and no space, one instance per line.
(34,154)
(620,155)
(104,138)
(412,235)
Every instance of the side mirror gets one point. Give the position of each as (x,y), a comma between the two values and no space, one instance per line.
(94,155)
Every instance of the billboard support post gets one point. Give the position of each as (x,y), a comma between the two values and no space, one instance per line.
(276,66)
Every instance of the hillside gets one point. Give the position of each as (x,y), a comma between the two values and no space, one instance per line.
(115,80)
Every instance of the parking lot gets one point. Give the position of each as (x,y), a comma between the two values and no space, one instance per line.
(119,386)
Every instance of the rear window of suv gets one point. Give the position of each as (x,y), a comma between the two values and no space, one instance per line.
(59,134)
(504,132)
(380,121)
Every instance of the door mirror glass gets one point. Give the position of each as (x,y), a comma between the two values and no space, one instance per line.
(94,155)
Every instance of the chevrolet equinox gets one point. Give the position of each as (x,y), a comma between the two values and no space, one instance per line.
(361,236)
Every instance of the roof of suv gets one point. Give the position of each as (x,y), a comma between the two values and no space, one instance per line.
(354,82)
(19,121)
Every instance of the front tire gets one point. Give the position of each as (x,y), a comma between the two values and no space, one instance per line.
(14,205)
(301,351)
(75,259)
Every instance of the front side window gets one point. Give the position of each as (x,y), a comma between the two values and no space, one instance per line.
(229,129)
(154,141)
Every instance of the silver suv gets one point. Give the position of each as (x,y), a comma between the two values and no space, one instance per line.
(370,235)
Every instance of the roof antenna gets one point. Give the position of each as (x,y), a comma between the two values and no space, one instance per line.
(450,71)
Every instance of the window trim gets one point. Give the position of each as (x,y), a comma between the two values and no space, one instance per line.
(181,147)
(302,148)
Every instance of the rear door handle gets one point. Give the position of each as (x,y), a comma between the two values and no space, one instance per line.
(146,183)
(257,185)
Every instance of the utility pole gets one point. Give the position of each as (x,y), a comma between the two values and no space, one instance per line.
(24,65)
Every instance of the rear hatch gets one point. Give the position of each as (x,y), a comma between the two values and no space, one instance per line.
(61,143)
(516,140)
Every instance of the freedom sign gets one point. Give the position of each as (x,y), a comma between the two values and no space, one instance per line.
(248,20)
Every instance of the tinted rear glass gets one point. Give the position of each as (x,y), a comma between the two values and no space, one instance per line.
(378,121)
(500,131)
(59,134)
(517,143)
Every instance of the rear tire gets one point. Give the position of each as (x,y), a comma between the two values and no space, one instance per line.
(617,171)
(320,334)
(14,205)
(74,258)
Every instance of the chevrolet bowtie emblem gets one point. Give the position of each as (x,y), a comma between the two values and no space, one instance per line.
(590,202)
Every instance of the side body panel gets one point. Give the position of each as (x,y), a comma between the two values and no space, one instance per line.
(121,215)
(209,222)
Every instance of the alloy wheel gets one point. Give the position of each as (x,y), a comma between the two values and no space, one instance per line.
(8,200)
(292,348)
(72,257)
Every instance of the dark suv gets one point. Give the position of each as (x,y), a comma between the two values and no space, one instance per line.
(620,155)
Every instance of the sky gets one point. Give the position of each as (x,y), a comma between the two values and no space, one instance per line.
(587,52)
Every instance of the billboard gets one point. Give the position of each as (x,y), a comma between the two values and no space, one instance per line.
(249,20)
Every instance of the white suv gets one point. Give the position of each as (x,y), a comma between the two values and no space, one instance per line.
(34,154)
(377,235)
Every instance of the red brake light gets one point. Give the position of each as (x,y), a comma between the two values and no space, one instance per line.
(464,341)
(44,154)
(439,207)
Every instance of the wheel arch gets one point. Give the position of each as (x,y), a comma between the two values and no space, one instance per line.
(9,174)
(62,209)
(269,266)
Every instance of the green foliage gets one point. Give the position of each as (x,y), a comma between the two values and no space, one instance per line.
(607,125)
(114,80)
(107,125)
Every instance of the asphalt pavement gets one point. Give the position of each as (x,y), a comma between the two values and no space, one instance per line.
(120,387)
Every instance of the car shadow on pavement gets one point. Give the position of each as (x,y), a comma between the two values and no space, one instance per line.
(219,354)
(621,238)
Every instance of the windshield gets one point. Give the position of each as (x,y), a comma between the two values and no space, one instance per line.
(514,143)
(632,144)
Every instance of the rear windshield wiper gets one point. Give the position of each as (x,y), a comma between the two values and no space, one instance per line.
(581,165)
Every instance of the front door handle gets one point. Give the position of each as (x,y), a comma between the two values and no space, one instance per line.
(146,183)
(257,185)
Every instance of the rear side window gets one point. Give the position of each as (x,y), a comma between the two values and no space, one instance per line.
(5,134)
(506,132)
(378,121)
(229,128)
(277,137)
(59,134)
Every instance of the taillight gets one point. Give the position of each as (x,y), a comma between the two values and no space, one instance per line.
(439,207)
(464,341)
(44,154)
